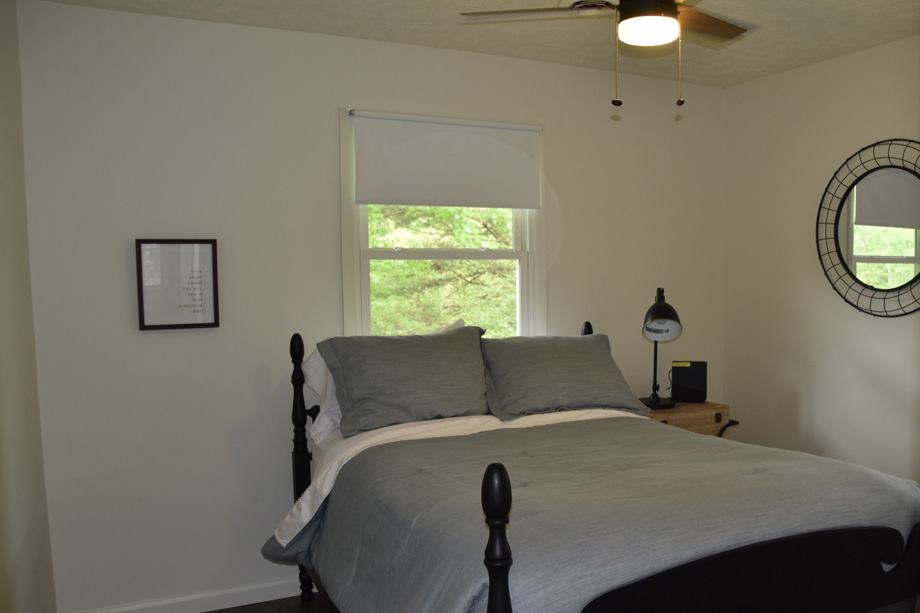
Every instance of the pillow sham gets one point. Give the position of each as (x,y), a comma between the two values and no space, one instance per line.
(539,374)
(318,378)
(386,380)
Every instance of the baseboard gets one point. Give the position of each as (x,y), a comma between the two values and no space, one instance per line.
(212,601)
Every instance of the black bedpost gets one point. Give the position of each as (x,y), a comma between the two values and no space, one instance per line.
(496,503)
(587,329)
(300,456)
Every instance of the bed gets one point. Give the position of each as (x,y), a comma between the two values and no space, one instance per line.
(418,443)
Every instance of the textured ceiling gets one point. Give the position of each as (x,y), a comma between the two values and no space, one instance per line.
(782,34)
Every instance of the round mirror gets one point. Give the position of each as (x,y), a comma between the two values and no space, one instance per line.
(868,229)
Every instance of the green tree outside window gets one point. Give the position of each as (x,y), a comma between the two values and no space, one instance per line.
(478,283)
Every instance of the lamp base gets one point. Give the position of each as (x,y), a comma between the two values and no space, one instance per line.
(663,403)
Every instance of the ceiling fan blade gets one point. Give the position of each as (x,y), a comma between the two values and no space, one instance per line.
(588,7)
(697,21)
(555,9)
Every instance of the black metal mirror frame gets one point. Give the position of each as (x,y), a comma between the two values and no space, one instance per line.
(903,300)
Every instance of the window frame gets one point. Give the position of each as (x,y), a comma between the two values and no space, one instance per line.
(528,241)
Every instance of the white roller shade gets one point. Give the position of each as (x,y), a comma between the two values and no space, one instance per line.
(423,161)
(889,197)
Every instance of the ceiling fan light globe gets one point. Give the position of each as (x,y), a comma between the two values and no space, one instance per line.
(648,30)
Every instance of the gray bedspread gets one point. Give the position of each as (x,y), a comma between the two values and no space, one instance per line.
(596,505)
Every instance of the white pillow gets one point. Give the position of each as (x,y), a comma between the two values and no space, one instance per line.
(319,379)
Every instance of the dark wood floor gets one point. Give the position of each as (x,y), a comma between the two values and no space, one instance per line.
(319,604)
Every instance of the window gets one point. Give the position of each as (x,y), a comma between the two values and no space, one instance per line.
(439,223)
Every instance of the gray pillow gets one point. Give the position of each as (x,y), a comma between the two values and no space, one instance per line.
(539,374)
(386,380)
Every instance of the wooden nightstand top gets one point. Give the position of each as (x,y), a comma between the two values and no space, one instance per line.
(701,417)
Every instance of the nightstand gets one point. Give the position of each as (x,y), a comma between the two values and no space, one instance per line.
(701,417)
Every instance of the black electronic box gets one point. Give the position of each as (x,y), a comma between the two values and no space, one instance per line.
(688,381)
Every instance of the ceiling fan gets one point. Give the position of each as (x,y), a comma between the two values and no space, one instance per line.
(627,10)
(641,23)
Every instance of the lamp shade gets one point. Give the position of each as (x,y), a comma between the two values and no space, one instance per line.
(661,320)
(646,23)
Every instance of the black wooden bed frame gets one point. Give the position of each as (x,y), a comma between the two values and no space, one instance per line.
(828,571)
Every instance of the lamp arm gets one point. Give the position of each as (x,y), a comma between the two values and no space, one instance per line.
(654,398)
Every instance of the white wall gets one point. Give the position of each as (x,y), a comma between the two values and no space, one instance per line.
(805,369)
(166,453)
(26,582)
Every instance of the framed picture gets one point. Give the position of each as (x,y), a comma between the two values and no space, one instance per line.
(176,283)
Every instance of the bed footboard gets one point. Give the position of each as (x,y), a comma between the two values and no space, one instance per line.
(833,570)
(301,456)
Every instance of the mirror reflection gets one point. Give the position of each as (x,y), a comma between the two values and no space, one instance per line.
(878,229)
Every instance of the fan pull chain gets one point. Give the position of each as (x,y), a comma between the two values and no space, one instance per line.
(680,64)
(616,78)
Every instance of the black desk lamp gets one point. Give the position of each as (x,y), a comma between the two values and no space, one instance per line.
(661,324)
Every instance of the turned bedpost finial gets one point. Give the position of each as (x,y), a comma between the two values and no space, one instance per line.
(587,329)
(297,350)
(496,504)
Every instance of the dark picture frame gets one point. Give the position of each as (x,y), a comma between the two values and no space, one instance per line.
(177,283)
